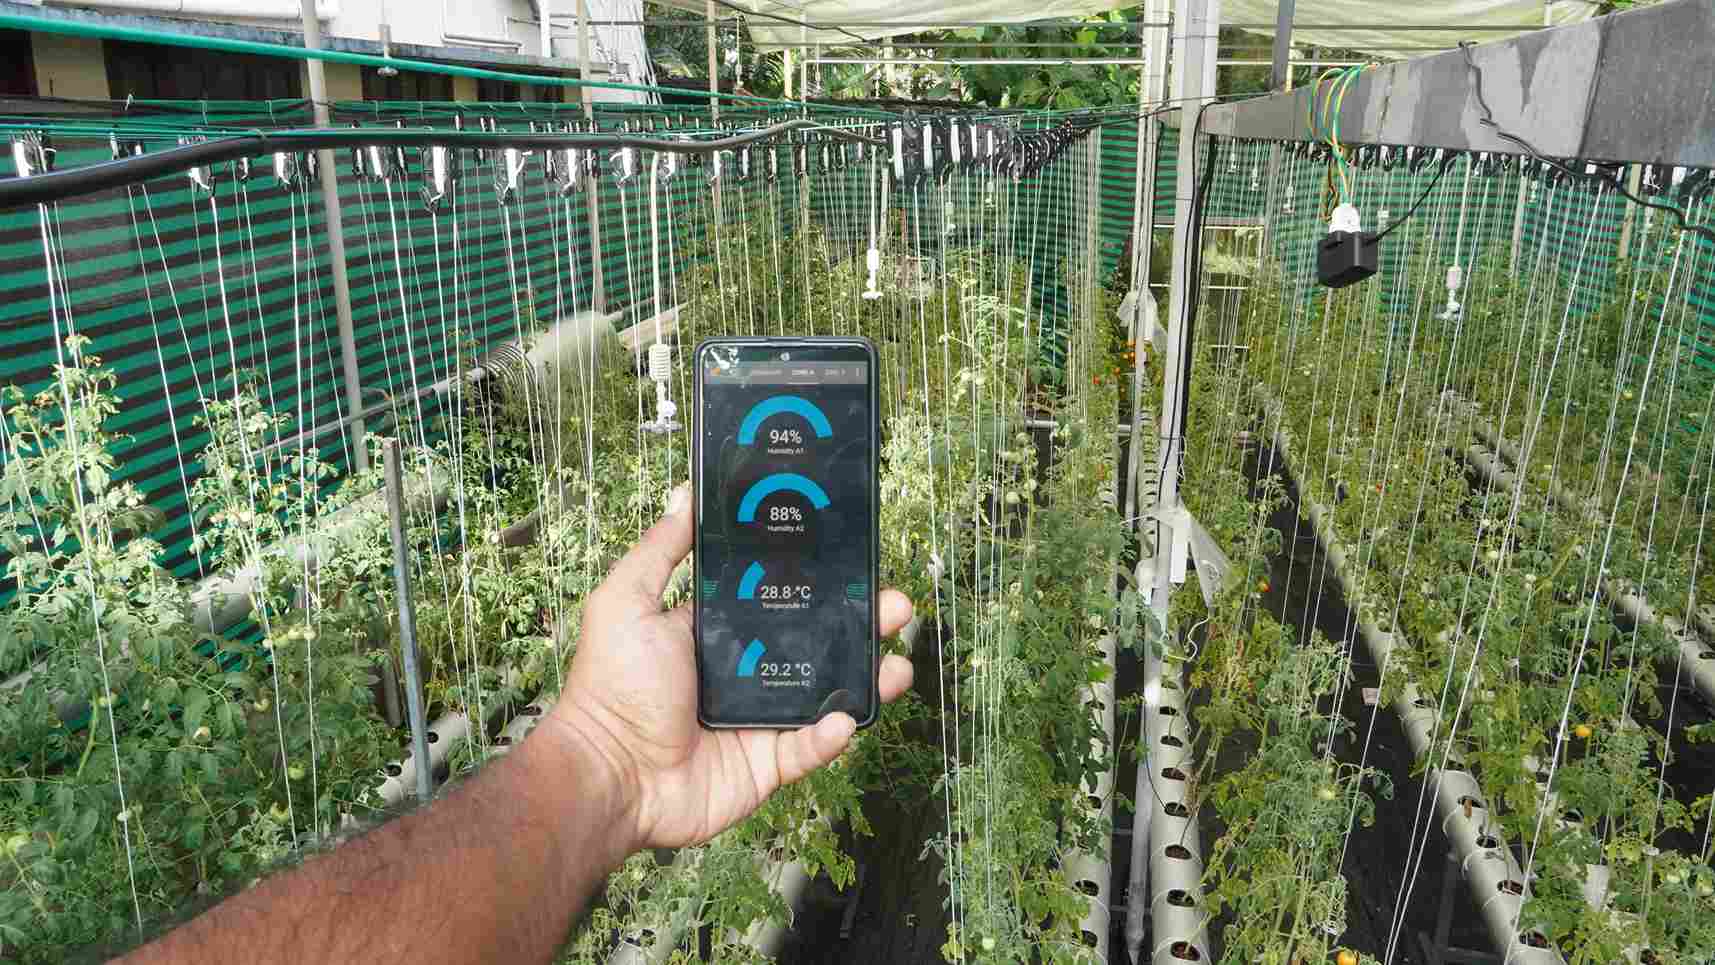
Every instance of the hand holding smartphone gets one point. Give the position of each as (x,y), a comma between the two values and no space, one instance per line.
(786,531)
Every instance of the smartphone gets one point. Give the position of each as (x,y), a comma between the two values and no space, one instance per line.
(786,440)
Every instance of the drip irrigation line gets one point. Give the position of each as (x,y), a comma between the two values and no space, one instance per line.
(1193,271)
(1416,204)
(1618,186)
(60,185)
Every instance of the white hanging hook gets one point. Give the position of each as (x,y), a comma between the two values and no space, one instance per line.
(660,353)
(873,258)
(1455,277)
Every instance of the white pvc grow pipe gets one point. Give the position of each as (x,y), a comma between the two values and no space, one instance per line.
(1092,874)
(1696,654)
(1497,882)
(444,734)
(1170,833)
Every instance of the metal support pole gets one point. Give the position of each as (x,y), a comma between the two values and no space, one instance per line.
(714,69)
(1152,93)
(598,285)
(407,618)
(1282,78)
(547,28)
(1196,36)
(336,241)
(714,89)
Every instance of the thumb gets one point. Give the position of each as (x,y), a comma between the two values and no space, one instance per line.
(801,751)
(645,570)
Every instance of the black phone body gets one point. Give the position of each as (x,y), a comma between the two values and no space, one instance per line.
(787,539)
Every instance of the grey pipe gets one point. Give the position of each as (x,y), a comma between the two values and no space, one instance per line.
(395,489)
(335,222)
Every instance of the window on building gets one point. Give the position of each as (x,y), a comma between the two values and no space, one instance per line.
(17,64)
(152,71)
(511,92)
(406,85)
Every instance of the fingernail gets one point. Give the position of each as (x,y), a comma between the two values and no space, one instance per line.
(679,500)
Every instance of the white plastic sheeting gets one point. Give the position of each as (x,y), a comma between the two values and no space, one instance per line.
(1396,24)
(910,12)
(1400,24)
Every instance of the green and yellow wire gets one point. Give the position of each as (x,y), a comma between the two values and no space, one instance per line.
(1322,120)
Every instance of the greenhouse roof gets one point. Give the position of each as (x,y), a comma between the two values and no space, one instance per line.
(1383,27)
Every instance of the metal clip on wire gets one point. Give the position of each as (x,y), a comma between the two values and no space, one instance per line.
(625,165)
(30,154)
(374,163)
(510,175)
(570,170)
(437,176)
(661,372)
(201,175)
(286,169)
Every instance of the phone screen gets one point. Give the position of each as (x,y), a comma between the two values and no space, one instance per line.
(786,531)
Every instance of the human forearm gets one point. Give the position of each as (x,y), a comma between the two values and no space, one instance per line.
(496,871)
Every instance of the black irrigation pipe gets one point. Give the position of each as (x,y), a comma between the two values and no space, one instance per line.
(60,185)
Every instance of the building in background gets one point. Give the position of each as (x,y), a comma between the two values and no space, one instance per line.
(499,34)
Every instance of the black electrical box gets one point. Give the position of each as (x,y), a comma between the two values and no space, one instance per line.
(1345,258)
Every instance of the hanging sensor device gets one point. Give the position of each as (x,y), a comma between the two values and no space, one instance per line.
(1346,255)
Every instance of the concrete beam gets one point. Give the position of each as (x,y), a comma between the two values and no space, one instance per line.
(1632,86)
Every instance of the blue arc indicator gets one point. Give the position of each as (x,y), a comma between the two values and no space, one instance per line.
(768,408)
(747,583)
(769,485)
(752,654)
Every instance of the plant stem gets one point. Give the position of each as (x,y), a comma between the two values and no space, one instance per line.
(89,745)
